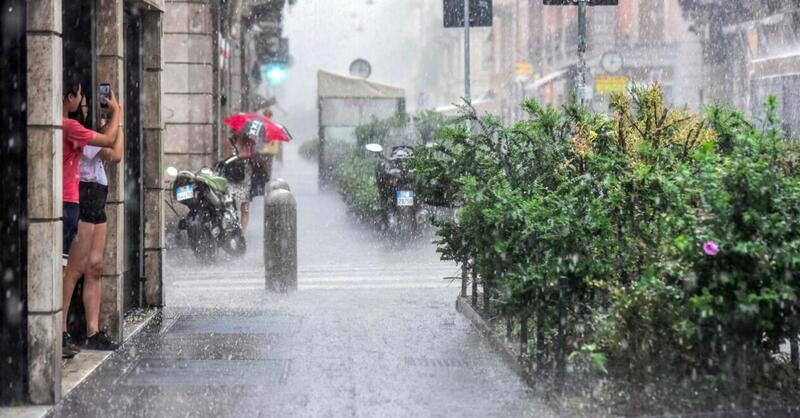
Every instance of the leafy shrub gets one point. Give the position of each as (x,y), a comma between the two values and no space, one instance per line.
(355,181)
(310,149)
(354,173)
(668,237)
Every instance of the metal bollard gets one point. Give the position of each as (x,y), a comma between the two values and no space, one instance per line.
(280,241)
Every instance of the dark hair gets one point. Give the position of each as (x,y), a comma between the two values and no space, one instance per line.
(78,115)
(72,83)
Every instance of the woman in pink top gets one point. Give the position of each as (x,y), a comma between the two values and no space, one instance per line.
(75,138)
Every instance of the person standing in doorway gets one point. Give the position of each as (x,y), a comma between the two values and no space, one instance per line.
(86,256)
(75,138)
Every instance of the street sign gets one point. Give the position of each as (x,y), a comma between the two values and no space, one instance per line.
(607,84)
(575,2)
(524,69)
(480,13)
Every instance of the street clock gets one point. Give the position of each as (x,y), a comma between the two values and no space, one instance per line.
(612,62)
(360,68)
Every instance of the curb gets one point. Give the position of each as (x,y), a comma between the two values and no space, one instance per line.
(507,353)
(38,411)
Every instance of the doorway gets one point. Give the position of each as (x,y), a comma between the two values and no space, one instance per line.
(134,191)
(79,46)
(13,204)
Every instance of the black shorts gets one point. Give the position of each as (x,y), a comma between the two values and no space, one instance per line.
(93,202)
(71,213)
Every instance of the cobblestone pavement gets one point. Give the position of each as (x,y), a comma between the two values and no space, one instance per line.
(371,332)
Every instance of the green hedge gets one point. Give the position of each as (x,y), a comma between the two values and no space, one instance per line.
(672,241)
(355,181)
(354,172)
(310,149)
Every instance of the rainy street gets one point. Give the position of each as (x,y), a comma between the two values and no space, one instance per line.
(372,331)
(384,208)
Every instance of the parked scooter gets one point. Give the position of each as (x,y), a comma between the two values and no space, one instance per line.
(404,214)
(212,221)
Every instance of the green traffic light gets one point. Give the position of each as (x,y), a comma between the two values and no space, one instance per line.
(276,74)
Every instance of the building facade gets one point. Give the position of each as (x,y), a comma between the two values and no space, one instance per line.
(113,41)
(750,51)
(636,42)
(178,68)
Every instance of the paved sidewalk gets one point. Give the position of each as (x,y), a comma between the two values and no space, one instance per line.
(372,331)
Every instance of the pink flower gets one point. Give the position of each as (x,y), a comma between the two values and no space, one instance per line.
(711,248)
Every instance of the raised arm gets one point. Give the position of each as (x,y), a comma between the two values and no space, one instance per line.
(107,138)
(115,153)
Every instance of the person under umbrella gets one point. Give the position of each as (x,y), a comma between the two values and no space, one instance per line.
(238,169)
(262,131)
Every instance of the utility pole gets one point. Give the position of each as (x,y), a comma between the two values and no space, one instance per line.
(475,13)
(582,89)
(467,61)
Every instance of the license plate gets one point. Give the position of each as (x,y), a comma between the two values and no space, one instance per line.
(405,198)
(184,193)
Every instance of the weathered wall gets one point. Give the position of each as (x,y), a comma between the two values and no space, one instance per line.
(188,84)
(111,69)
(153,169)
(44,199)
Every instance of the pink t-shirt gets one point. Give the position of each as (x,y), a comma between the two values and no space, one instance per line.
(75,138)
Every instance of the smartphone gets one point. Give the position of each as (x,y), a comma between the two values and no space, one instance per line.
(105,93)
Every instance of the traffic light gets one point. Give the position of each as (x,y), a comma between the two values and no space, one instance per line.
(275,69)
(274,73)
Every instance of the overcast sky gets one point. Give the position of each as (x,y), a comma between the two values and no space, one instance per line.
(330,34)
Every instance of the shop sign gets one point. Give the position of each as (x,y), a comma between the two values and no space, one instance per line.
(524,69)
(607,84)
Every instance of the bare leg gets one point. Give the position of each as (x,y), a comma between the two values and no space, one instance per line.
(245,215)
(92,280)
(76,264)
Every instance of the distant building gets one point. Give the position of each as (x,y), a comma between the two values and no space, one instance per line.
(643,41)
(751,50)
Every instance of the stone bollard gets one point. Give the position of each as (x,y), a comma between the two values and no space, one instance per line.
(278,184)
(280,241)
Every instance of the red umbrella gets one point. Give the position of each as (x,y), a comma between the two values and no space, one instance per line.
(259,126)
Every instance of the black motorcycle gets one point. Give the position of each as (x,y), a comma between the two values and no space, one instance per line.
(404,215)
(212,221)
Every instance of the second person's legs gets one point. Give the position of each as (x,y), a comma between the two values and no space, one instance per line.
(92,280)
(245,209)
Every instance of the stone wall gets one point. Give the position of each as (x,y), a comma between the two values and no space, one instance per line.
(44,199)
(188,84)
(111,68)
(153,169)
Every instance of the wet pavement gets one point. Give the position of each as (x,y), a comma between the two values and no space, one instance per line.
(372,331)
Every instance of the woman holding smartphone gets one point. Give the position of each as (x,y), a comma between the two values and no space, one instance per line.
(86,253)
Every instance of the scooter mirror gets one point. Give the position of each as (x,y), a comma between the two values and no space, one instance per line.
(376,148)
(172,171)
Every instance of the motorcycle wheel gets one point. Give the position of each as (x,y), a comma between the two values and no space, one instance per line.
(235,244)
(406,226)
(204,245)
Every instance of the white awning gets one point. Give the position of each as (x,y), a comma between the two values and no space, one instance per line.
(482,105)
(341,86)
(534,85)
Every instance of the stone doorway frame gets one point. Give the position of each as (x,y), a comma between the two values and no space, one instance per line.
(44,47)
